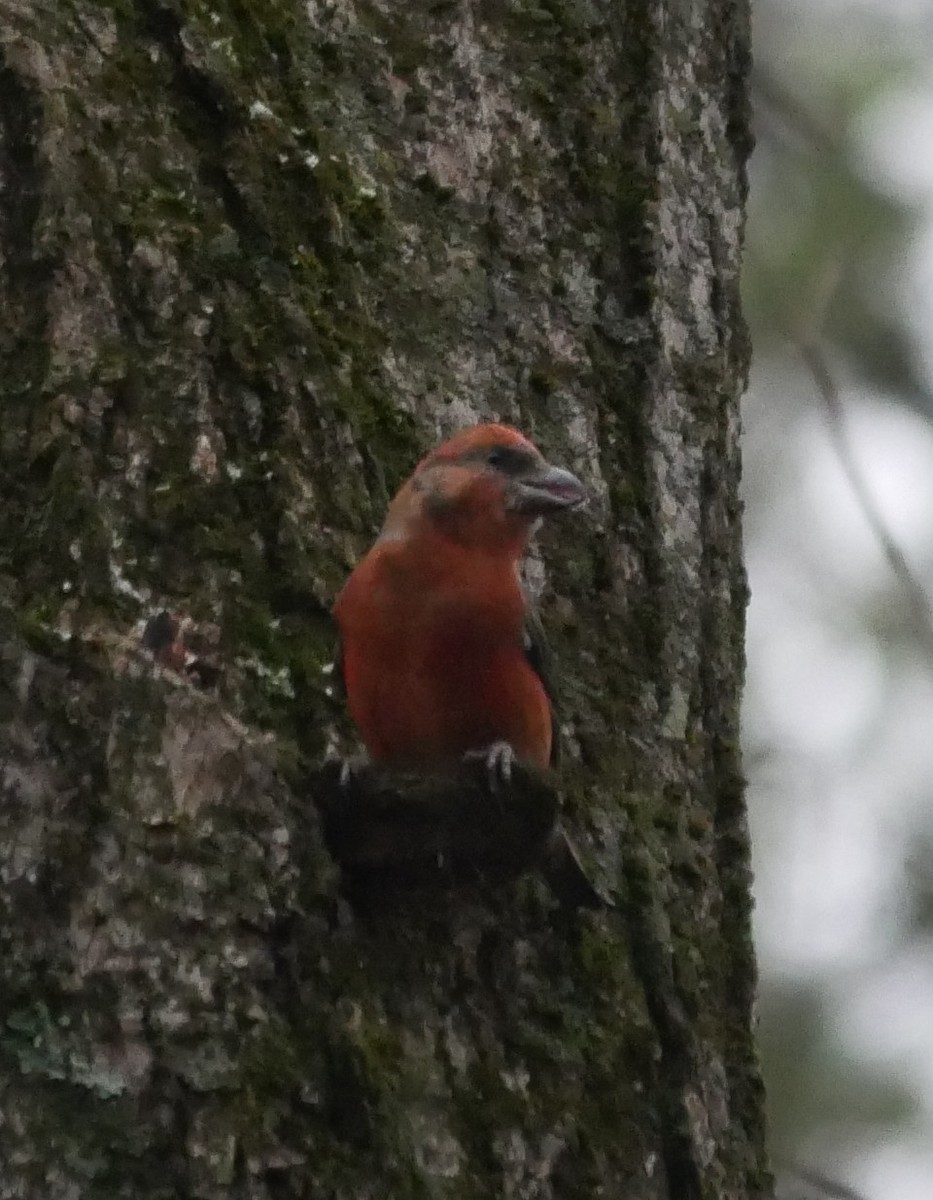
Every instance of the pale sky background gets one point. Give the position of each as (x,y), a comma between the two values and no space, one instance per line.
(839,725)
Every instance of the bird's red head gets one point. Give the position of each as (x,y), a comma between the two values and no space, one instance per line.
(485,486)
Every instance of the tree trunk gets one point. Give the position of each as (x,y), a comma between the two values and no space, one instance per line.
(256,258)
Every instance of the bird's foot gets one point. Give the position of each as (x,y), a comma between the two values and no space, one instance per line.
(351,767)
(347,768)
(498,758)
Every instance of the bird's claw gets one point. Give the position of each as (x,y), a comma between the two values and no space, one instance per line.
(350,768)
(498,759)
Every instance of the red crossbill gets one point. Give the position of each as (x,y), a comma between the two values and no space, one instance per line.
(438,658)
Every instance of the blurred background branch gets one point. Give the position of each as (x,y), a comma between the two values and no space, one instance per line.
(777,105)
(801,1183)
(914,594)
(839,501)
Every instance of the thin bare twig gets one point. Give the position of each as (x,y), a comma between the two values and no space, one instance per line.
(918,602)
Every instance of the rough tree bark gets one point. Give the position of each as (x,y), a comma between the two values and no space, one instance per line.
(257,255)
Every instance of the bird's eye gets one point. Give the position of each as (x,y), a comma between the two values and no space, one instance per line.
(511,460)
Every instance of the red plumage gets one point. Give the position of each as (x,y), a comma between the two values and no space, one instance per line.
(432,621)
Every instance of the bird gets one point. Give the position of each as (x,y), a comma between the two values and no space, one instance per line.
(441,655)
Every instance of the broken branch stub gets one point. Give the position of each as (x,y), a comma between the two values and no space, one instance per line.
(401,827)
(382,819)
